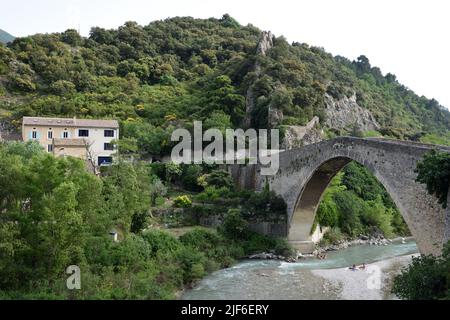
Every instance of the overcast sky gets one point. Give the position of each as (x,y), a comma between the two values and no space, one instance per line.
(409,38)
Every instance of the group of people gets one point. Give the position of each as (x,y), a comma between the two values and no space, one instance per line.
(321,256)
(361,267)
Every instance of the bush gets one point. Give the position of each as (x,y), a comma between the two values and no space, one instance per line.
(434,172)
(161,241)
(218,249)
(182,202)
(264,205)
(202,239)
(257,242)
(189,176)
(191,262)
(426,278)
(212,193)
(173,171)
(234,226)
(158,169)
(218,179)
(332,236)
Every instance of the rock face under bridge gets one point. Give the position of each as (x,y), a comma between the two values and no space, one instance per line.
(305,173)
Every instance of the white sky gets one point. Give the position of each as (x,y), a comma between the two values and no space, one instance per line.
(409,38)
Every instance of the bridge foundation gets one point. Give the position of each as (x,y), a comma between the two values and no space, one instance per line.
(303,246)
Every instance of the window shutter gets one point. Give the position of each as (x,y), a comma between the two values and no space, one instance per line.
(38,135)
(62,134)
(30,135)
(68,134)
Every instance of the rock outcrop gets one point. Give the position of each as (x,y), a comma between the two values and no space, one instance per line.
(346,114)
(265,43)
(8,132)
(297,136)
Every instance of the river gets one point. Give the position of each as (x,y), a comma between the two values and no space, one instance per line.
(309,278)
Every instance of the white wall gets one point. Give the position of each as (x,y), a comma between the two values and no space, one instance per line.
(97,139)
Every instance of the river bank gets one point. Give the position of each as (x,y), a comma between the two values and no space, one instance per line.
(320,251)
(310,278)
(373,283)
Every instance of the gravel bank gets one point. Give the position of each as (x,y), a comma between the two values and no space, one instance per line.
(363,284)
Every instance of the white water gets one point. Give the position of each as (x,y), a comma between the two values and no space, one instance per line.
(270,279)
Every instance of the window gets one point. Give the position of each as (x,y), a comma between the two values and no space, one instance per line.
(83,133)
(109,133)
(65,134)
(49,134)
(108,146)
(50,148)
(104,161)
(34,134)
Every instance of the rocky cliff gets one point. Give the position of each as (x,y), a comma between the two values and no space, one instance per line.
(265,43)
(346,115)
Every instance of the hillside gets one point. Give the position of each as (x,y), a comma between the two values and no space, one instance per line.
(166,74)
(5,37)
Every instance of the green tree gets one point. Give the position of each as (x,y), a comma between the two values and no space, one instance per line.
(434,172)
(425,278)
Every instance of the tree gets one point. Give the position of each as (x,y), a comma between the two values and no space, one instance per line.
(426,278)
(62,87)
(220,95)
(173,170)
(72,37)
(234,226)
(434,172)
(157,189)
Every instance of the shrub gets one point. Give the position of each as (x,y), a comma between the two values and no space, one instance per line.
(426,278)
(189,176)
(434,172)
(234,226)
(173,171)
(212,193)
(182,202)
(217,178)
(131,253)
(265,204)
(332,236)
(158,169)
(161,241)
(257,242)
(139,221)
(201,239)
(191,262)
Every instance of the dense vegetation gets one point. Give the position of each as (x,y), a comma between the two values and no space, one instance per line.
(434,172)
(426,278)
(356,203)
(54,213)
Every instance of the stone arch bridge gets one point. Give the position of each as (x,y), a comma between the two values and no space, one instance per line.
(305,173)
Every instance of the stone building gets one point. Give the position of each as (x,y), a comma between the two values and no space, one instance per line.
(87,139)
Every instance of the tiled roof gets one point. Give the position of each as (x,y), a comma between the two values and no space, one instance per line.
(70,122)
(69,142)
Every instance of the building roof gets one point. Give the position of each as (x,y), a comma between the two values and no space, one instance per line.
(69,143)
(70,122)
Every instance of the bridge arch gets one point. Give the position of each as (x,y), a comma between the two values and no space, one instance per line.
(305,173)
